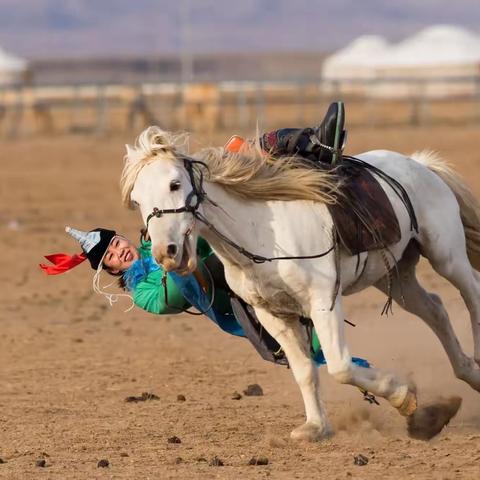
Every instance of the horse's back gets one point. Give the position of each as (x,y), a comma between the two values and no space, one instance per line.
(432,199)
(410,173)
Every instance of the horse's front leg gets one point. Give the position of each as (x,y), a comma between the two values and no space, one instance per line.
(329,325)
(289,334)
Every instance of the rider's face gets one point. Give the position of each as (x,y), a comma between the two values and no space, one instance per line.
(120,255)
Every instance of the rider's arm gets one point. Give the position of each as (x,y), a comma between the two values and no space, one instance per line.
(149,295)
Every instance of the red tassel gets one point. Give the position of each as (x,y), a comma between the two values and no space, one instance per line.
(62,262)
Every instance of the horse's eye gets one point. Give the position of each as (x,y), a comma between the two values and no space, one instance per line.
(174,185)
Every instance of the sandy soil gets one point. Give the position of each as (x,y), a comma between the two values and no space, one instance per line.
(68,361)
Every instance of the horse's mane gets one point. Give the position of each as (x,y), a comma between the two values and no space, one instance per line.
(249,174)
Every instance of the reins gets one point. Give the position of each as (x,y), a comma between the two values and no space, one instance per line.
(186,310)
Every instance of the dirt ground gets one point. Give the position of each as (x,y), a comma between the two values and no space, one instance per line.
(68,360)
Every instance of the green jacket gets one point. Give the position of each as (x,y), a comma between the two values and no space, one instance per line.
(149,293)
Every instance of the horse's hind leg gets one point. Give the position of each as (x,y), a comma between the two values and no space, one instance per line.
(294,343)
(448,256)
(410,295)
(460,273)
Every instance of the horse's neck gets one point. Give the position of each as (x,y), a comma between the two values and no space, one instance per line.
(233,218)
(266,228)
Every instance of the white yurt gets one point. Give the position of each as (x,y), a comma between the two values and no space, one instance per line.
(356,60)
(13,69)
(442,60)
(440,50)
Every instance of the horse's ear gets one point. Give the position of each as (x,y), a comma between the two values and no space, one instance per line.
(130,150)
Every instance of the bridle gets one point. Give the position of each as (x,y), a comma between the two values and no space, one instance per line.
(194,198)
(198,195)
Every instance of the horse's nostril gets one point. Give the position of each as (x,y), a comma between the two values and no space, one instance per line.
(172,250)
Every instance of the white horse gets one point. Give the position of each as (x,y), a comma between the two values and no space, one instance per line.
(278,208)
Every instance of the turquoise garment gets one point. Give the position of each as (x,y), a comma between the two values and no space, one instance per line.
(319,359)
(138,271)
(144,280)
(194,293)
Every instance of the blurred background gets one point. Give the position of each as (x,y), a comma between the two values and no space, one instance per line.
(83,66)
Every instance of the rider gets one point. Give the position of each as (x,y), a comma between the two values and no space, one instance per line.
(152,290)
(205,289)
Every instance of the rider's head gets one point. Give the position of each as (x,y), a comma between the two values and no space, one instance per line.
(120,254)
(104,249)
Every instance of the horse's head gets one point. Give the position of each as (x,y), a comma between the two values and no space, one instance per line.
(156,181)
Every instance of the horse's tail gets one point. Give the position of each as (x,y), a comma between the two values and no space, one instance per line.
(469,205)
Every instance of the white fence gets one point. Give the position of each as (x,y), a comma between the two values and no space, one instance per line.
(234,105)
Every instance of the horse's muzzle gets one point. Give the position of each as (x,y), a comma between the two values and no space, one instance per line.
(179,260)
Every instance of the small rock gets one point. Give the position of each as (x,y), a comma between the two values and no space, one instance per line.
(254,390)
(149,396)
(178,460)
(41,462)
(174,439)
(201,459)
(236,396)
(360,460)
(258,461)
(181,398)
(216,462)
(124,454)
(2,461)
(104,463)
(142,398)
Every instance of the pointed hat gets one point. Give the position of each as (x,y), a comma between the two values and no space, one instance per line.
(94,245)
(87,240)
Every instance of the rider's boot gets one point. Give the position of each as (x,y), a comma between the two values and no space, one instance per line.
(320,144)
(331,134)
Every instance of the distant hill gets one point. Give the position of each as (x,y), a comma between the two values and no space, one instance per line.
(86,28)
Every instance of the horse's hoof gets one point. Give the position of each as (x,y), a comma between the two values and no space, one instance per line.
(429,421)
(409,405)
(311,432)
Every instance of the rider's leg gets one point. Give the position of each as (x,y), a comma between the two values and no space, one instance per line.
(322,143)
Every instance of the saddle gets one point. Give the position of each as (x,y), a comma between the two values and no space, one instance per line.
(364,217)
